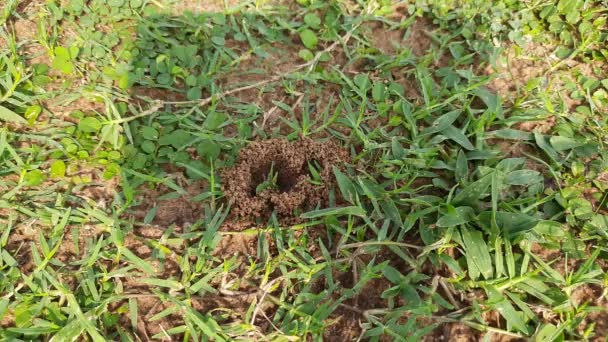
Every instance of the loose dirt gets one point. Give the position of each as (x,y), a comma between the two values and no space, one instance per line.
(290,162)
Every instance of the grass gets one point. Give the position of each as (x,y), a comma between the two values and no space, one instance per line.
(474,203)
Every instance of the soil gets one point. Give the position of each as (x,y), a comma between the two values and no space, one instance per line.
(180,211)
(513,72)
(141,92)
(592,295)
(149,305)
(290,161)
(202,6)
(280,58)
(457,332)
(415,37)
(345,322)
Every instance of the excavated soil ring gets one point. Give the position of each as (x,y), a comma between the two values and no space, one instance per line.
(293,187)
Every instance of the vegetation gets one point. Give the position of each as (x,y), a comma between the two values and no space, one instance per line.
(474,203)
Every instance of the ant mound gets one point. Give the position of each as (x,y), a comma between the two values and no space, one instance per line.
(276,175)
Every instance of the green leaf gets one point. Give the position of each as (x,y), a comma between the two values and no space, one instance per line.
(312,20)
(550,229)
(512,224)
(560,143)
(523,177)
(148,146)
(164,79)
(352,210)
(492,101)
(474,191)
(347,187)
(4,302)
(32,112)
(177,138)
(149,133)
(541,141)
(215,120)
(309,39)
(196,169)
(116,3)
(391,274)
(462,168)
(573,17)
(58,169)
(456,216)
(218,40)
(476,252)
(137,261)
(63,59)
(89,125)
(379,92)
(505,308)
(33,178)
(306,55)
(563,52)
(75,6)
(456,135)
(133,309)
(443,122)
(512,134)
(600,224)
(362,81)
(112,169)
(549,333)
(10,116)
(208,149)
(195,93)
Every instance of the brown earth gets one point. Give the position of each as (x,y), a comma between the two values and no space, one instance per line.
(415,37)
(178,210)
(290,161)
(179,6)
(225,309)
(448,332)
(345,323)
(534,67)
(594,296)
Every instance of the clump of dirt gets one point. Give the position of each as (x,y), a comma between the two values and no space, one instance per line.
(285,168)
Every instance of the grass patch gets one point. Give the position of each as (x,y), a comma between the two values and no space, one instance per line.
(464,195)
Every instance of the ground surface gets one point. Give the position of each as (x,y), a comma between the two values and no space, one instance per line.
(303,170)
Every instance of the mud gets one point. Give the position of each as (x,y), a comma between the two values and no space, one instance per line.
(293,189)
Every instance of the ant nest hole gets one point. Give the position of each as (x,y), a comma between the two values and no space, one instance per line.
(282,176)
